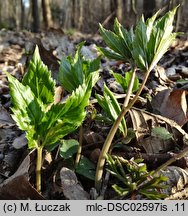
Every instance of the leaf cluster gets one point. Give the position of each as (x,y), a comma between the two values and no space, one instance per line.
(124,81)
(134,178)
(143,46)
(75,71)
(110,105)
(33,105)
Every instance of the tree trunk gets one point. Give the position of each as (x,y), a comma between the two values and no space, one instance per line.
(22,16)
(47,16)
(35,15)
(73,14)
(149,6)
(81,18)
(119,10)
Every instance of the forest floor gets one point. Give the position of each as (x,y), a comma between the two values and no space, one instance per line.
(162,103)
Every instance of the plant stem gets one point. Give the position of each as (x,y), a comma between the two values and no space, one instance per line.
(126,107)
(78,155)
(38,168)
(130,87)
(171,160)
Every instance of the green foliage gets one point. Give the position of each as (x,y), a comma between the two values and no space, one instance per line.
(75,71)
(111,107)
(124,81)
(39,80)
(143,46)
(86,168)
(35,112)
(134,178)
(119,41)
(68,148)
(44,124)
(162,133)
(27,110)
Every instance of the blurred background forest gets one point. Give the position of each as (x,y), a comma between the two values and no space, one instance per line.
(83,15)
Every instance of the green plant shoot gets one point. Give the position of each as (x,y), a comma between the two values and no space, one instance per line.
(34,111)
(111,107)
(124,81)
(75,71)
(135,179)
(142,47)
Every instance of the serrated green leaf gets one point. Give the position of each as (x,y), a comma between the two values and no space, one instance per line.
(74,71)
(126,38)
(111,54)
(63,119)
(38,78)
(145,45)
(112,40)
(66,75)
(90,66)
(152,39)
(26,109)
(68,148)
(119,41)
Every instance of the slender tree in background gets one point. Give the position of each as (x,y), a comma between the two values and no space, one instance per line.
(113,7)
(81,18)
(22,23)
(149,6)
(47,15)
(73,14)
(35,15)
(84,15)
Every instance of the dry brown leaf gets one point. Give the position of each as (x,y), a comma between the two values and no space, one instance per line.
(180,195)
(156,145)
(172,104)
(72,190)
(91,137)
(20,142)
(18,186)
(143,122)
(177,179)
(5,118)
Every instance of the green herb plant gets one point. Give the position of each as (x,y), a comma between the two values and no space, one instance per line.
(74,71)
(134,179)
(35,112)
(142,47)
(111,107)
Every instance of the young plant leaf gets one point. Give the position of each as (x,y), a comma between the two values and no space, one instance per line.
(74,71)
(152,39)
(111,54)
(119,41)
(63,119)
(26,109)
(145,45)
(45,125)
(86,168)
(111,106)
(38,78)
(124,81)
(134,178)
(68,148)
(161,133)
(112,40)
